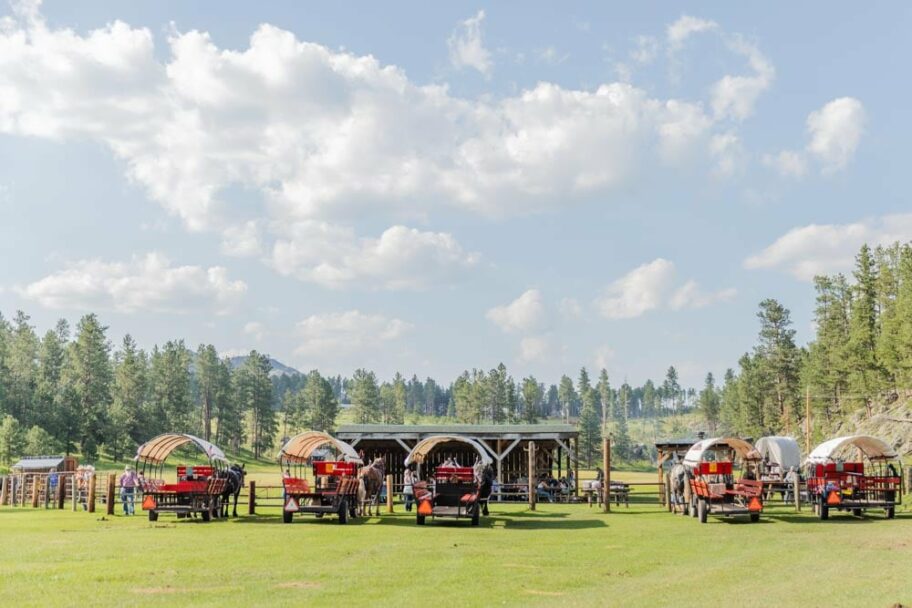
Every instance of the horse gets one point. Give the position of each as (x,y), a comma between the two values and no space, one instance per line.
(370,481)
(484,477)
(678,477)
(235,481)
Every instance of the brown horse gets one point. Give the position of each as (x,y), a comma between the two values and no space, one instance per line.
(370,481)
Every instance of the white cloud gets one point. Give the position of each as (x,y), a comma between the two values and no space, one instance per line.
(686,26)
(735,96)
(401,258)
(788,163)
(652,286)
(523,314)
(835,130)
(815,249)
(242,240)
(647,49)
(467,48)
(726,148)
(346,333)
(255,329)
(145,284)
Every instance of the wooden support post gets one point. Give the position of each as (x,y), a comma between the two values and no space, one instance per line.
(531,450)
(36,486)
(576,478)
(4,490)
(93,482)
(389,493)
(61,490)
(606,457)
(796,488)
(112,480)
(661,480)
(499,470)
(251,499)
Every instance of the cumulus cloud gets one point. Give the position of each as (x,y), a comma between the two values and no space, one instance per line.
(401,258)
(834,132)
(807,251)
(523,314)
(345,333)
(145,284)
(467,49)
(685,27)
(653,286)
(735,96)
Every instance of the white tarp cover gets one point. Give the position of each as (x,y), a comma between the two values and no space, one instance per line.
(783,451)
(157,449)
(871,446)
(743,448)
(302,446)
(424,447)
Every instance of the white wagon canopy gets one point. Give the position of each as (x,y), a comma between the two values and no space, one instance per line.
(425,446)
(302,446)
(698,452)
(782,451)
(156,450)
(872,447)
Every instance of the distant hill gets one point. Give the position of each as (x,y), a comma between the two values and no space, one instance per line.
(278,368)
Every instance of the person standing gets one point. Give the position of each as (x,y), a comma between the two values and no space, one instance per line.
(408,491)
(128,483)
(50,490)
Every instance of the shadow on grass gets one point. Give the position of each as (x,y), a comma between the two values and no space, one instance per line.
(810,518)
(304,519)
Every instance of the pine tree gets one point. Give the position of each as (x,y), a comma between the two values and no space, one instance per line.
(207,371)
(365,397)
(88,378)
(129,393)
(23,369)
(710,402)
(170,395)
(531,398)
(229,409)
(566,396)
(779,360)
(606,397)
(865,375)
(49,402)
(254,389)
(590,433)
(10,439)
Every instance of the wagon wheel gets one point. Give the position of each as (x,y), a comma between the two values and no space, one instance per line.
(755,517)
(419,520)
(343,512)
(476,515)
(153,515)
(702,509)
(286,516)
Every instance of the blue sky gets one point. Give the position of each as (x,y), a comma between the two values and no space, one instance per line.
(428,189)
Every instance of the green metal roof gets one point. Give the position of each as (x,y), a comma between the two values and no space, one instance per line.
(457,428)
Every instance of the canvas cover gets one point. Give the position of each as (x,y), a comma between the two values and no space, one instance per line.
(783,451)
(304,445)
(743,448)
(425,446)
(871,446)
(157,449)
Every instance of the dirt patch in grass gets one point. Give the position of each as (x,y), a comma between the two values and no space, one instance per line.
(298,585)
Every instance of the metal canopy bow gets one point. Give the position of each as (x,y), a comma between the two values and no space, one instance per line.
(302,446)
(156,450)
(783,451)
(743,448)
(872,447)
(425,446)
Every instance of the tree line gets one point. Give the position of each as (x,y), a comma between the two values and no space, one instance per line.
(73,391)
(861,354)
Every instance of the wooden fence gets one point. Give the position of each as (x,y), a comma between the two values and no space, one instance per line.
(59,491)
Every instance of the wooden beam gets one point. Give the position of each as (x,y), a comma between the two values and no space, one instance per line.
(404,445)
(531,450)
(606,458)
(510,449)
(576,485)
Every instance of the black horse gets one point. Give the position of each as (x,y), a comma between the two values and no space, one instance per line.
(235,481)
(485,485)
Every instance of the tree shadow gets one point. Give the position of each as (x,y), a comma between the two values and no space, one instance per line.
(304,519)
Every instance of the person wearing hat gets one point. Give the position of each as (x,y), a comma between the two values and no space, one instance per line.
(128,483)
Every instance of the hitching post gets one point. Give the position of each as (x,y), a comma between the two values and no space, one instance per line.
(251,499)
(606,456)
(796,488)
(36,480)
(61,490)
(4,489)
(531,450)
(112,479)
(93,482)
(389,493)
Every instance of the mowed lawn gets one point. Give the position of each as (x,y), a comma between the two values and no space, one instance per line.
(558,555)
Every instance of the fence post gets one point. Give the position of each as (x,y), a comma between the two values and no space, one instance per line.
(74,489)
(35,489)
(61,490)
(93,482)
(606,455)
(796,488)
(389,493)
(112,478)
(251,499)
(4,490)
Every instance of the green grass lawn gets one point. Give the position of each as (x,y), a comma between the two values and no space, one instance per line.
(558,555)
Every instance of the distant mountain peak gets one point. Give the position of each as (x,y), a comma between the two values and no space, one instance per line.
(278,368)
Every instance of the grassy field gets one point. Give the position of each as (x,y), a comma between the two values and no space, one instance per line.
(560,554)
